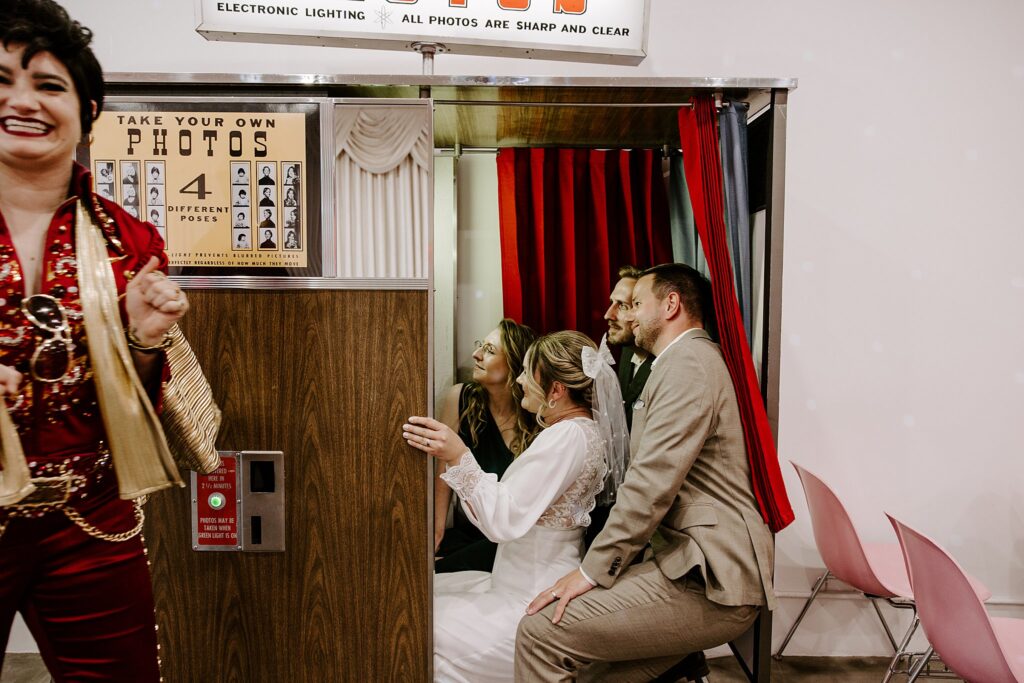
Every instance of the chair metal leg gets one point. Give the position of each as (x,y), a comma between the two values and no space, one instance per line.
(916,671)
(800,617)
(902,648)
(892,640)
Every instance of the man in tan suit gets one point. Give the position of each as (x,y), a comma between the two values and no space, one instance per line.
(688,478)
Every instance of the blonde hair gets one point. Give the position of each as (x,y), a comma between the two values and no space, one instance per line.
(558,357)
(632,272)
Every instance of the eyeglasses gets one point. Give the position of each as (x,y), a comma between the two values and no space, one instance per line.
(51,360)
(487,348)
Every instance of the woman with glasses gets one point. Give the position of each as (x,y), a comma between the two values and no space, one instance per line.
(537,511)
(85,311)
(487,414)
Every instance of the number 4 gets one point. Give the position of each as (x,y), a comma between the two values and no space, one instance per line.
(199,182)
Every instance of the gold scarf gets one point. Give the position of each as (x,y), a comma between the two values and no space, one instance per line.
(14,476)
(142,460)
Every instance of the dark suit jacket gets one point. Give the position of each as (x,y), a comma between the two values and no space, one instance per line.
(689,478)
(632,386)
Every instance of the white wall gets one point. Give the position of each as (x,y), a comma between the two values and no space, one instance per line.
(467,263)
(902,382)
(444,251)
(480,304)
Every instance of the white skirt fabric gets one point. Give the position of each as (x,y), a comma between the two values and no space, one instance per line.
(476,614)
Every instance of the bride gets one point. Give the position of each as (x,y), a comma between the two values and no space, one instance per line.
(537,512)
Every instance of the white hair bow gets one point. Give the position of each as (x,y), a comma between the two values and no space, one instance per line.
(593,359)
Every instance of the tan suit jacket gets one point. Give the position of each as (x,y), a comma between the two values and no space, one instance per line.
(689,478)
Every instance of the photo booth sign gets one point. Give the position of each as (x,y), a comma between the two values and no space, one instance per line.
(215,505)
(600,31)
(225,187)
(240,506)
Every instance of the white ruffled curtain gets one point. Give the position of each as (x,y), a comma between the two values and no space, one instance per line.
(383,193)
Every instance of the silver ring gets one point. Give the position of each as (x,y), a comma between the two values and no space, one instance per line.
(554,595)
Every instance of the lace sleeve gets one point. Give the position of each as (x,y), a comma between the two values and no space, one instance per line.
(464,477)
(508,508)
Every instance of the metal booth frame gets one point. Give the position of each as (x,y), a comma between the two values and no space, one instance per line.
(513,98)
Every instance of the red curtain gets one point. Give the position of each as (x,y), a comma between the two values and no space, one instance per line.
(698,133)
(569,219)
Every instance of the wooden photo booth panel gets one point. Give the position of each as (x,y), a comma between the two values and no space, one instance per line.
(327,377)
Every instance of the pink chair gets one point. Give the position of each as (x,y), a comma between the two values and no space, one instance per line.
(974,645)
(875,569)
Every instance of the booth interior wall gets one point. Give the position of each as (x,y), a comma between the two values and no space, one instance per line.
(445,256)
(479,286)
(327,377)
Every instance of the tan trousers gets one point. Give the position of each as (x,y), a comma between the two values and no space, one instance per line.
(633,631)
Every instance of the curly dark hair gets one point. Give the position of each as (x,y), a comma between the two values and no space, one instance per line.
(44,26)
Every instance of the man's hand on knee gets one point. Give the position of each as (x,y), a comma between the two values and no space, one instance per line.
(570,586)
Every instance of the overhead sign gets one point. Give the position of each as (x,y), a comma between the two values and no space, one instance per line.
(606,31)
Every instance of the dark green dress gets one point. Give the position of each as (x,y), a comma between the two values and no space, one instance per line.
(464,547)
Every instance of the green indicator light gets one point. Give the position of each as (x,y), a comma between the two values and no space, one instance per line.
(216,501)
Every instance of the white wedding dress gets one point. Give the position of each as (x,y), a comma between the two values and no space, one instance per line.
(536,514)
